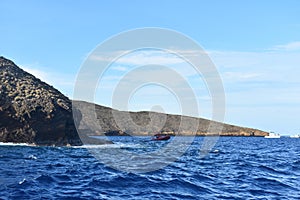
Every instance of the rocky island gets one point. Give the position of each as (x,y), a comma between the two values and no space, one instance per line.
(31,111)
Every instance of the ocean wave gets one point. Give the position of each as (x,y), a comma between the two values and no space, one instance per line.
(108,146)
(15,144)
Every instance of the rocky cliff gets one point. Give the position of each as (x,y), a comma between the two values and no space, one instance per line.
(32,111)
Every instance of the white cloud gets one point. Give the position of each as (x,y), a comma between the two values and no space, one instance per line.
(240,76)
(146,57)
(135,59)
(119,68)
(292,46)
(279,66)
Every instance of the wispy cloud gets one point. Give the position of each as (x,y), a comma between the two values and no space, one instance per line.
(279,66)
(147,56)
(292,46)
(240,76)
(175,59)
(266,82)
(140,58)
(119,68)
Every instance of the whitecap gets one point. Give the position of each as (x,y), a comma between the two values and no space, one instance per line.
(21,182)
(14,144)
(107,146)
(216,151)
(32,157)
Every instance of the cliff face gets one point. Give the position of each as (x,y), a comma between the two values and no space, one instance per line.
(31,111)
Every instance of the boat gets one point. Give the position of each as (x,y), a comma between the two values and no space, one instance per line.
(295,136)
(160,136)
(273,135)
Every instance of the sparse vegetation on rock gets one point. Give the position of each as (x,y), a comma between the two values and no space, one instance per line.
(32,111)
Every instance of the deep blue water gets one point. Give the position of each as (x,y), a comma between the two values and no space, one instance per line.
(236,168)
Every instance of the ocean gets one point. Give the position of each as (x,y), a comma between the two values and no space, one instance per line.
(235,168)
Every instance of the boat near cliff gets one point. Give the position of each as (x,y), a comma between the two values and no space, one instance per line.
(273,135)
(161,137)
(35,113)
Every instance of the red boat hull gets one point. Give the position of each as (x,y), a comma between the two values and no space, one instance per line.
(161,137)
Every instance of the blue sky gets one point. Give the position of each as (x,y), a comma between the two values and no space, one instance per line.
(255,45)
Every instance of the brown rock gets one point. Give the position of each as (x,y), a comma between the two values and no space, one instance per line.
(26,117)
